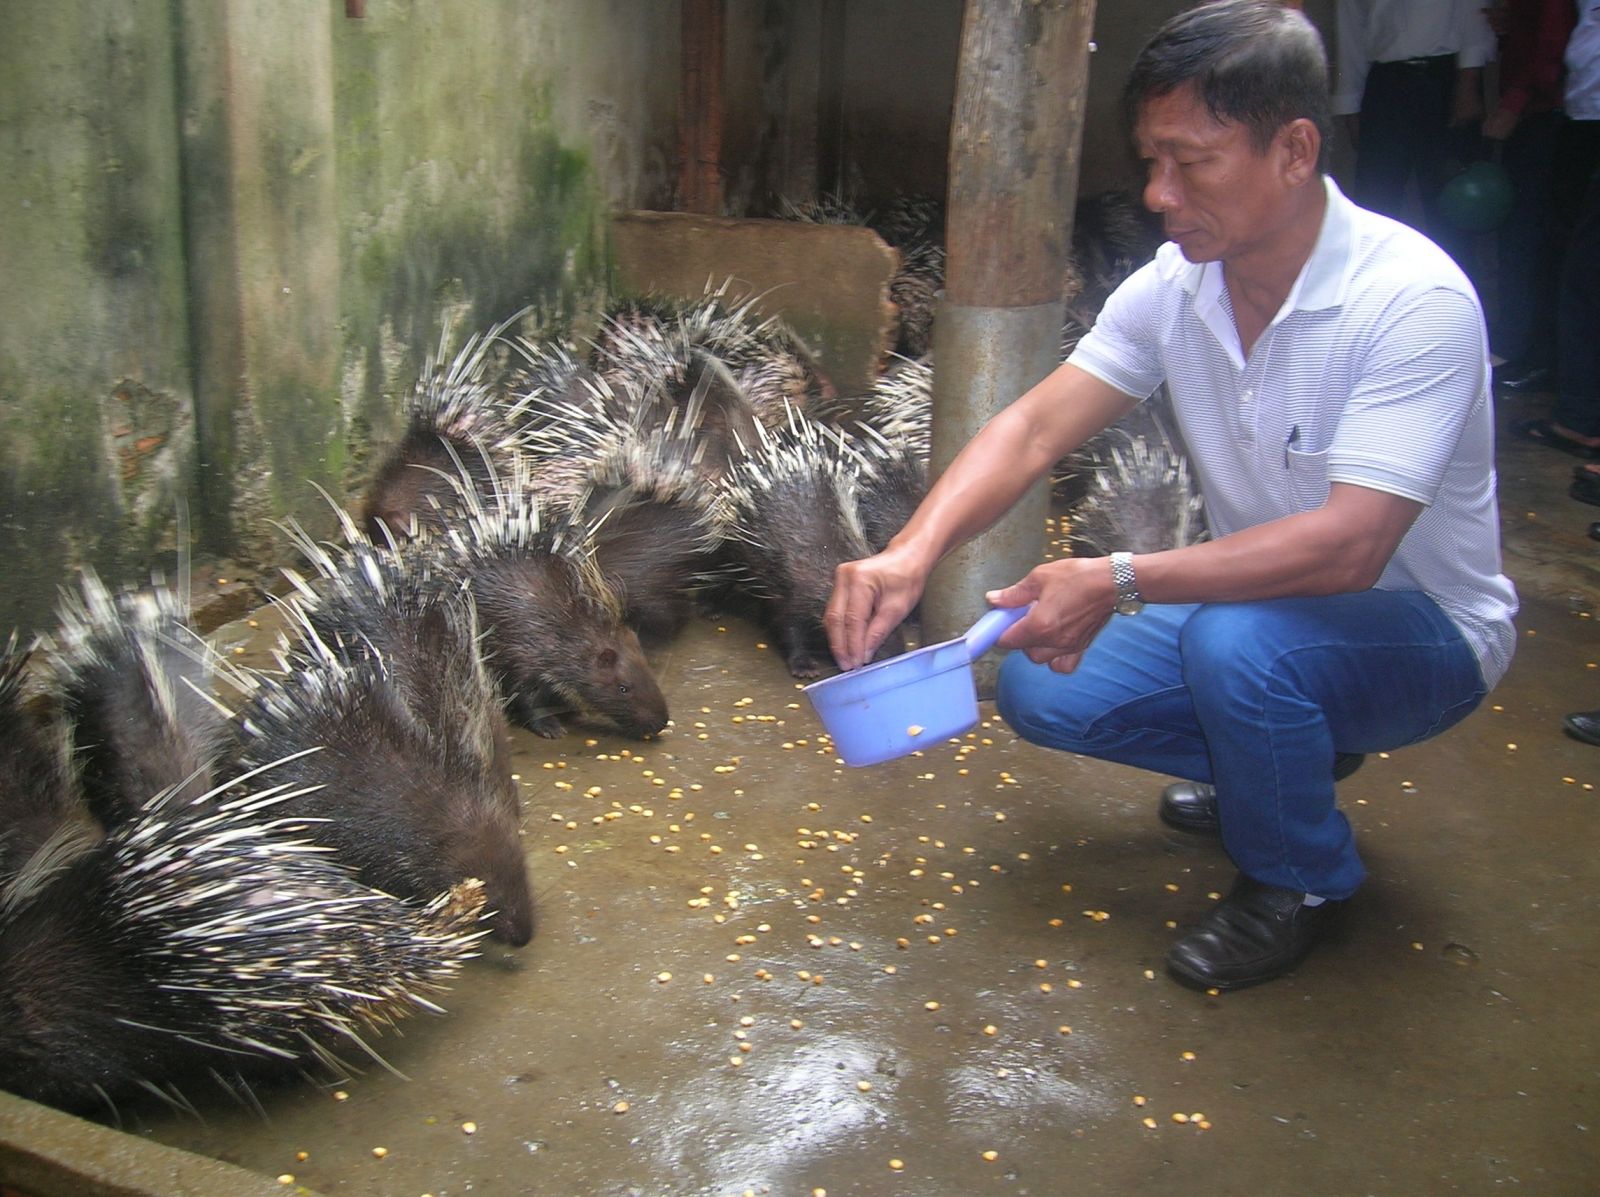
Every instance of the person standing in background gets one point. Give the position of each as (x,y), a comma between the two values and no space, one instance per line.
(1574,425)
(1527,123)
(1578,351)
(1410,79)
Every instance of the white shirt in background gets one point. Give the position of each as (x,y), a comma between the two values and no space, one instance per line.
(1394,30)
(1583,64)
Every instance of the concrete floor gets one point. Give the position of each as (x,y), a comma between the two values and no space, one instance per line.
(758,971)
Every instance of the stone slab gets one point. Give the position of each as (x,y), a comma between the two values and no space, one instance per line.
(830,283)
(45,1153)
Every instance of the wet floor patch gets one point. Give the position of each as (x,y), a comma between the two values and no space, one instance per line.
(759,971)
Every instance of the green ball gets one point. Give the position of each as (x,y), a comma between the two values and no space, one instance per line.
(1478,198)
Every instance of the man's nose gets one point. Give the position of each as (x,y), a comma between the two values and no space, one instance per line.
(1160,190)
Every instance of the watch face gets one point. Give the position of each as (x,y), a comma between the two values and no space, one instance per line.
(1129,606)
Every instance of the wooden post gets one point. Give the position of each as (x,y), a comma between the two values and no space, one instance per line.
(1014,154)
(700,108)
(1014,149)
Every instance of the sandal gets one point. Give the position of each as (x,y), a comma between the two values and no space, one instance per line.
(1543,432)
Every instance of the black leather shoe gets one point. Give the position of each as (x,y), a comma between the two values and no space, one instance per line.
(1583,725)
(1256,933)
(1192,805)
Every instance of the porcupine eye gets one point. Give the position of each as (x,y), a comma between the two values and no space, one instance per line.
(622,688)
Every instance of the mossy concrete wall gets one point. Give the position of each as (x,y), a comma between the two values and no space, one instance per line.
(96,411)
(231,229)
(423,168)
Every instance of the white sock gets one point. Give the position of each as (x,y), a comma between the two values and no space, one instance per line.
(1312,900)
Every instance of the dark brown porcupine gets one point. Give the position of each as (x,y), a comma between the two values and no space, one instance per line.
(794,519)
(1112,236)
(829,208)
(663,340)
(459,419)
(542,369)
(913,227)
(36,783)
(890,427)
(656,528)
(1140,497)
(553,630)
(691,437)
(204,945)
(910,220)
(394,730)
(135,685)
(893,483)
(914,290)
(900,405)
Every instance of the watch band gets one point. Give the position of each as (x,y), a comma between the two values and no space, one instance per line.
(1128,597)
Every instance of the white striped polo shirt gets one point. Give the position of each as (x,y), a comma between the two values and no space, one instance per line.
(1374,372)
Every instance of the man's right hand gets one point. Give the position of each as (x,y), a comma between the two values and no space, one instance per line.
(871,598)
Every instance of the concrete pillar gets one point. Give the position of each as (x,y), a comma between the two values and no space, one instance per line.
(1014,151)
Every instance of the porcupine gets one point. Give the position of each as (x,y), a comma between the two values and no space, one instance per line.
(1112,236)
(686,407)
(1134,479)
(1140,497)
(656,527)
(553,631)
(635,472)
(460,417)
(645,415)
(794,520)
(381,673)
(890,429)
(661,339)
(135,683)
(36,783)
(197,946)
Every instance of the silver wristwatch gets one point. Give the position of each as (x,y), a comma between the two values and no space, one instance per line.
(1129,601)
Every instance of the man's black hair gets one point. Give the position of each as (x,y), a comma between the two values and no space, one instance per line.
(1252,62)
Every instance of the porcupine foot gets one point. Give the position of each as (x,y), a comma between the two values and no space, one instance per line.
(526,710)
(803,664)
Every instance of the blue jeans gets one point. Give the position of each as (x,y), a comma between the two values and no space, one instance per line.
(1255,698)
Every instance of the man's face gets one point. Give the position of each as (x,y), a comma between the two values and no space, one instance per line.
(1217,195)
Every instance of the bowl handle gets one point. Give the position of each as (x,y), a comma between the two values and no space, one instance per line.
(982,635)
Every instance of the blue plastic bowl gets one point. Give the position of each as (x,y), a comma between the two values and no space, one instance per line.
(916,700)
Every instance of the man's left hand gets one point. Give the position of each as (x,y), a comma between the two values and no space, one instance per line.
(1073,599)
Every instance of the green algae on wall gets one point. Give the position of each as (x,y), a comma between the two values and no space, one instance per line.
(451,250)
(461,202)
(96,411)
(235,230)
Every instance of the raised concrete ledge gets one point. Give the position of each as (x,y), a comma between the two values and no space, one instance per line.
(45,1153)
(829,282)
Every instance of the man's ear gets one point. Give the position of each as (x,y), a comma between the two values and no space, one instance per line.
(1302,146)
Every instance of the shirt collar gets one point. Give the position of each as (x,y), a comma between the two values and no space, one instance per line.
(1321,282)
